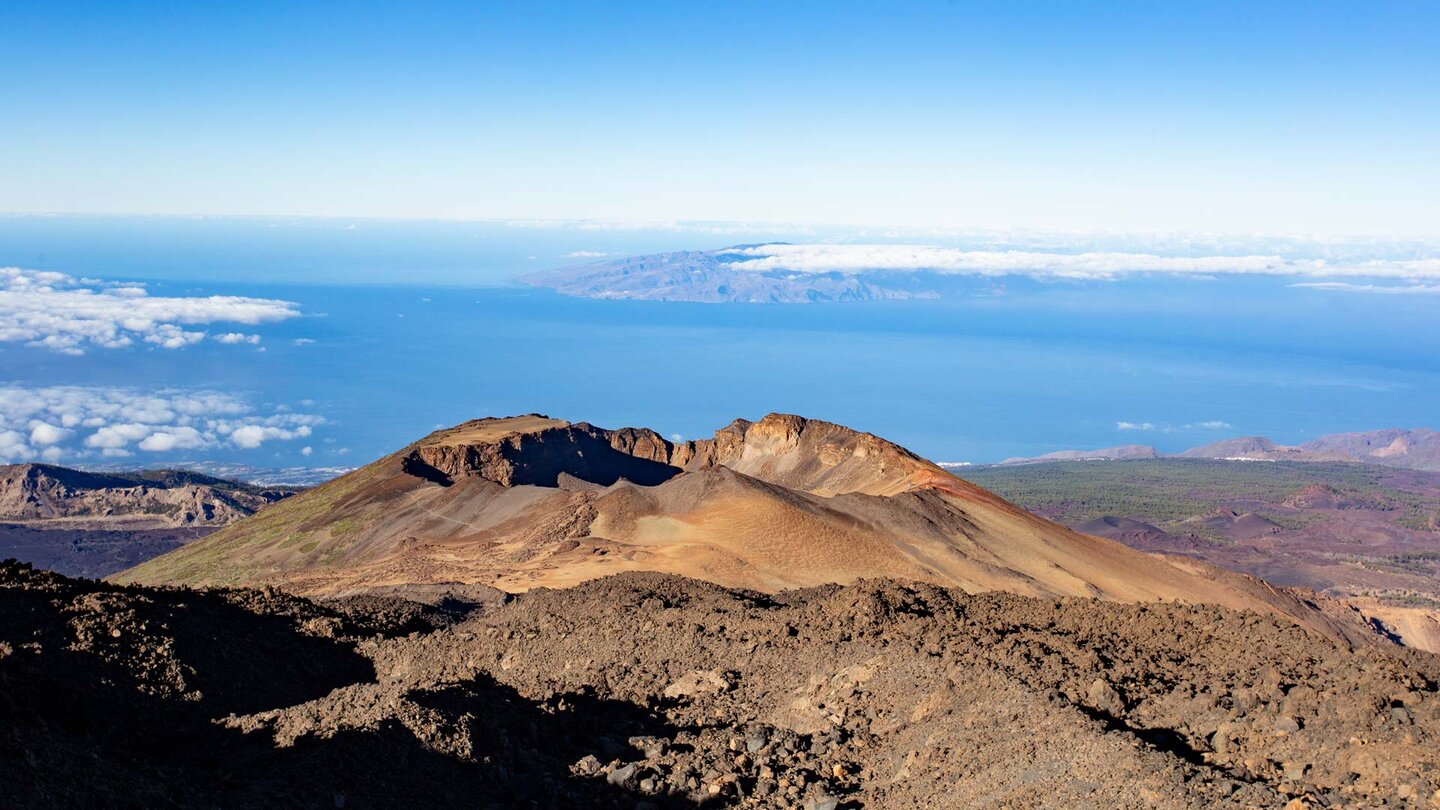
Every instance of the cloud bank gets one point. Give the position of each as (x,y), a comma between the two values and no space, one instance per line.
(65,314)
(57,422)
(1101,266)
(1382,289)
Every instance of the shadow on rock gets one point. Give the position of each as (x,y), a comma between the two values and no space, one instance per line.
(116,697)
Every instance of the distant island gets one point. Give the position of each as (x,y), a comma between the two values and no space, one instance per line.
(730,275)
(788,273)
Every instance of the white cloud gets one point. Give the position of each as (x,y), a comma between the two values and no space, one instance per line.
(116,437)
(116,422)
(302,341)
(65,314)
(1104,266)
(44,433)
(178,438)
(251,436)
(586,254)
(307,450)
(1214,424)
(666,225)
(13,446)
(236,337)
(1383,289)
(1134,426)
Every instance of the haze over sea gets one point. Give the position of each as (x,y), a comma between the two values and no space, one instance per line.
(406,326)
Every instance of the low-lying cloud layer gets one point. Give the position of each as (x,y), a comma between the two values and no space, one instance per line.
(1382,289)
(62,422)
(1102,266)
(69,315)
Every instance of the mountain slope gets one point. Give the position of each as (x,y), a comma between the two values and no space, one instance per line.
(94,524)
(1417,449)
(1124,451)
(1359,532)
(151,499)
(783,502)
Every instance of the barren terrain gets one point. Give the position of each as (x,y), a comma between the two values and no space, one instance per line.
(1365,533)
(94,524)
(782,502)
(648,690)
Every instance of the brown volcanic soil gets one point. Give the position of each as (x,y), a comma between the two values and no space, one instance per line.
(649,690)
(783,502)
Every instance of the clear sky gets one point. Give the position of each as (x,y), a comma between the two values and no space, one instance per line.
(1306,117)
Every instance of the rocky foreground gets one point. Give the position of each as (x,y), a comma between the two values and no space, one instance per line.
(647,690)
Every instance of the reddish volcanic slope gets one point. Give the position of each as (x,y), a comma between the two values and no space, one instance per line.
(782,502)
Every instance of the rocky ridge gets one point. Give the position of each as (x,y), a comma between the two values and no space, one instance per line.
(159,499)
(777,503)
(1417,449)
(94,524)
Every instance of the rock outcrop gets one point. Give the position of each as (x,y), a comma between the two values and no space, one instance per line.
(142,500)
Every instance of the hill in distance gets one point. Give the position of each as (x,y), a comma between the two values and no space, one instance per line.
(1365,533)
(93,524)
(1106,453)
(784,502)
(717,276)
(1417,449)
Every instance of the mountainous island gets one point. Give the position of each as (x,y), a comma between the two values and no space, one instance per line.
(728,276)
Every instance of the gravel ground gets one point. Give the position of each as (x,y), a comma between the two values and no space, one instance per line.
(654,691)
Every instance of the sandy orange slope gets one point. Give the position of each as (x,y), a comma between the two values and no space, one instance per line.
(532,502)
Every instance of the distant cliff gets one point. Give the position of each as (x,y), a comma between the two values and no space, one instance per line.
(158,499)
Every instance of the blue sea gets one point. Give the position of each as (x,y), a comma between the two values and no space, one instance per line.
(410,326)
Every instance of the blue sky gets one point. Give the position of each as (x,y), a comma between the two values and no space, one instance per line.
(363,144)
(1315,118)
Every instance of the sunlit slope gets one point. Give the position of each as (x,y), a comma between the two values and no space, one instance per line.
(783,502)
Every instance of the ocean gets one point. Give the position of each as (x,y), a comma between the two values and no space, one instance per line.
(406,327)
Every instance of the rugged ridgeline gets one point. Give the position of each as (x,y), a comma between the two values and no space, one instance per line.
(1417,449)
(148,499)
(93,524)
(783,502)
(648,690)
(1411,449)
